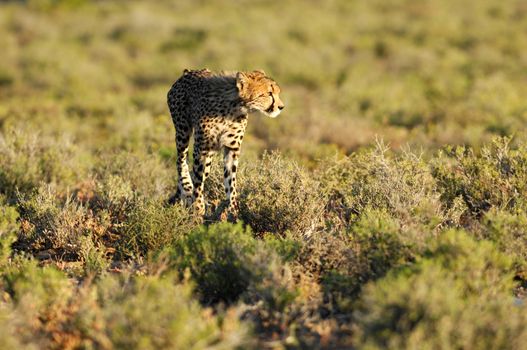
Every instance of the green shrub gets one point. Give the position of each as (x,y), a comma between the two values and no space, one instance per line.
(274,195)
(50,311)
(478,263)
(114,195)
(273,303)
(508,231)
(27,160)
(154,313)
(42,287)
(375,244)
(8,230)
(400,184)
(459,297)
(139,172)
(151,226)
(228,265)
(278,195)
(52,223)
(93,256)
(495,179)
(287,247)
(223,259)
(380,243)
(8,331)
(40,297)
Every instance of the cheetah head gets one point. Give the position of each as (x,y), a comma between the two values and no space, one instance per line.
(259,92)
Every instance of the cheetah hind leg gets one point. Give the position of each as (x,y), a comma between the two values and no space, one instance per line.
(181,197)
(185,187)
(201,170)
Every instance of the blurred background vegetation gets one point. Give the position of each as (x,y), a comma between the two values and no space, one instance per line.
(423,73)
(384,208)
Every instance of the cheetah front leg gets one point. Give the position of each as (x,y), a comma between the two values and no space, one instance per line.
(201,170)
(230,160)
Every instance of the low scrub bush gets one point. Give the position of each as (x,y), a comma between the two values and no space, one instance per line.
(401,185)
(495,179)
(60,226)
(458,297)
(150,226)
(156,313)
(49,223)
(8,331)
(345,262)
(229,265)
(64,229)
(508,230)
(140,172)
(113,195)
(275,196)
(28,160)
(223,259)
(380,243)
(278,196)
(9,227)
(48,310)
(479,264)
(38,299)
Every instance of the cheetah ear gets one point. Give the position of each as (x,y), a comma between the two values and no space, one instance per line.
(241,82)
(259,72)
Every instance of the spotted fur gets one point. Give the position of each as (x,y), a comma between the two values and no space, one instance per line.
(215,107)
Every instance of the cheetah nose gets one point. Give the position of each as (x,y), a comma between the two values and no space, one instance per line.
(281,107)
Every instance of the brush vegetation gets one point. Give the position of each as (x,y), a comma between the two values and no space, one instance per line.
(385,208)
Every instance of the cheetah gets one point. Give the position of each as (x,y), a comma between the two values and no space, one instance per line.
(215,106)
